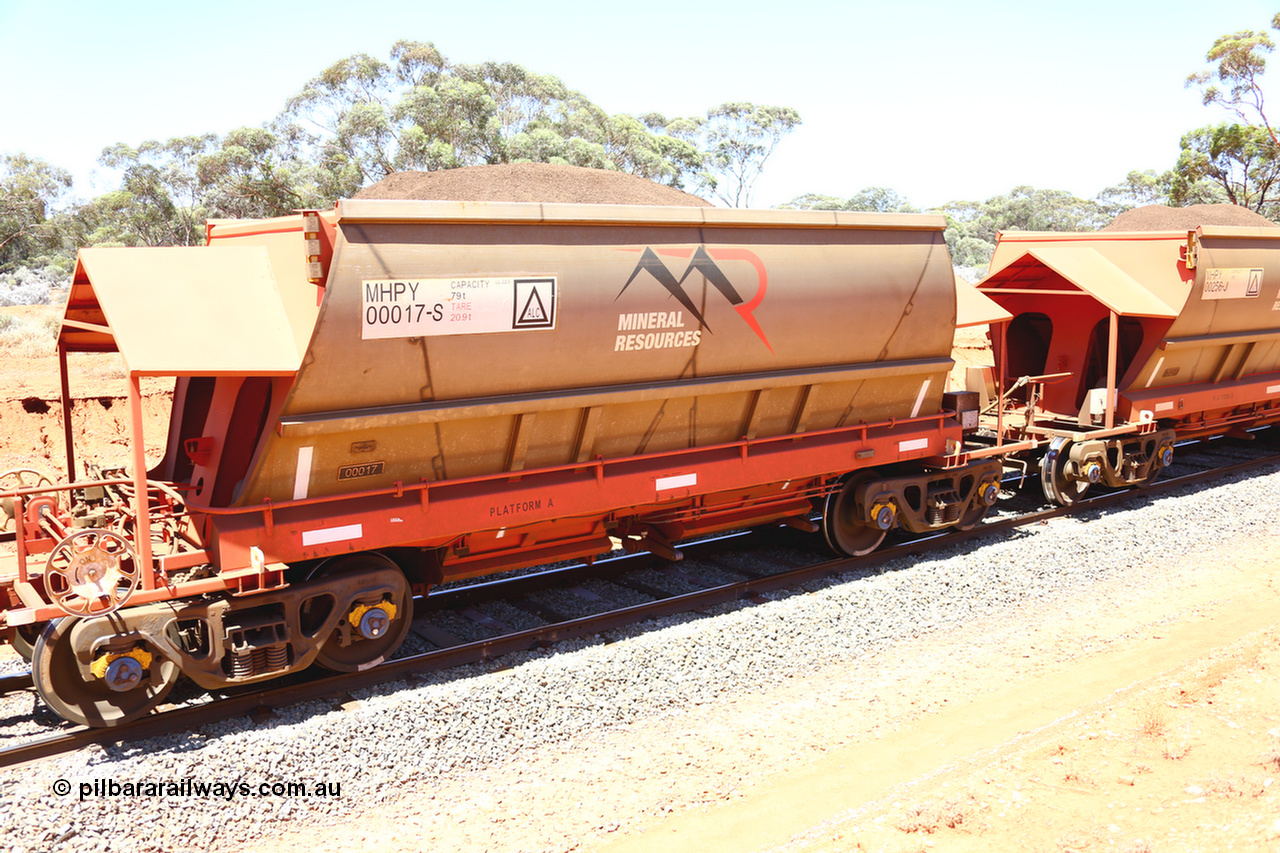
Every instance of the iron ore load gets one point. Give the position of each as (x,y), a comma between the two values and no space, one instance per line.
(378,398)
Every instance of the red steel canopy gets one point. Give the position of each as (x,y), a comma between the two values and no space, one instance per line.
(974,308)
(1084,268)
(181,311)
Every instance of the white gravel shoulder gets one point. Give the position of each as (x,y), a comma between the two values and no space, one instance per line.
(399,734)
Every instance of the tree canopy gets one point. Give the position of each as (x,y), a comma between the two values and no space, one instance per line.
(363,118)
(739,139)
(1239,161)
(29,188)
(359,120)
(1233,162)
(1235,80)
(972,225)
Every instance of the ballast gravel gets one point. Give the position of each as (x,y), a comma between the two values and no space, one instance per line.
(214,788)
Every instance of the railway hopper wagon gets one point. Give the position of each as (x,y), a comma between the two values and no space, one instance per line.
(378,398)
(1120,343)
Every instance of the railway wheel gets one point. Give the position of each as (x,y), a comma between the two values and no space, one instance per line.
(1164,458)
(130,685)
(1053,475)
(371,631)
(988,494)
(11,481)
(842,527)
(24,640)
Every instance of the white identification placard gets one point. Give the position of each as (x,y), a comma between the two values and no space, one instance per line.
(1237,283)
(415,308)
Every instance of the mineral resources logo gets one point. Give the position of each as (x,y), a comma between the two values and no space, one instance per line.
(700,260)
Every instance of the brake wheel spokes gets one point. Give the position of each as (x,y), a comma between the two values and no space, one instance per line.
(91,573)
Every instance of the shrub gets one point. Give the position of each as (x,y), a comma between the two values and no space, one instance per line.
(26,338)
(30,285)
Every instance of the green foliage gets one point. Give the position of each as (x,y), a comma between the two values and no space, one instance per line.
(250,174)
(873,199)
(973,226)
(169,189)
(1239,63)
(29,188)
(879,200)
(159,202)
(1139,188)
(365,119)
(1240,162)
(31,285)
(738,139)
(1025,208)
(1235,163)
(814,201)
(1149,187)
(357,121)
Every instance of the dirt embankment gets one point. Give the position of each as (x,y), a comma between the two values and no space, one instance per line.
(31,430)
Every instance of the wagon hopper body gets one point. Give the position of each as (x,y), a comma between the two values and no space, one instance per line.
(392,394)
(1120,342)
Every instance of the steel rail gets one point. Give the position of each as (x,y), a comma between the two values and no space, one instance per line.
(338,686)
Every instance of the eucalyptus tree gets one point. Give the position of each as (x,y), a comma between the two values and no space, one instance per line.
(871,199)
(253,172)
(1235,81)
(364,119)
(738,138)
(1241,161)
(159,201)
(29,190)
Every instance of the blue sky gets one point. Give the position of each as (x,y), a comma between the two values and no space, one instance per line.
(940,101)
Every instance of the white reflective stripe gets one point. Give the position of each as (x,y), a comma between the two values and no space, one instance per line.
(1273,389)
(332,534)
(913,444)
(1155,372)
(924,389)
(302,477)
(677,482)
(1164,407)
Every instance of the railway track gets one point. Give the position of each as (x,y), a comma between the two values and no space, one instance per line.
(472,623)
